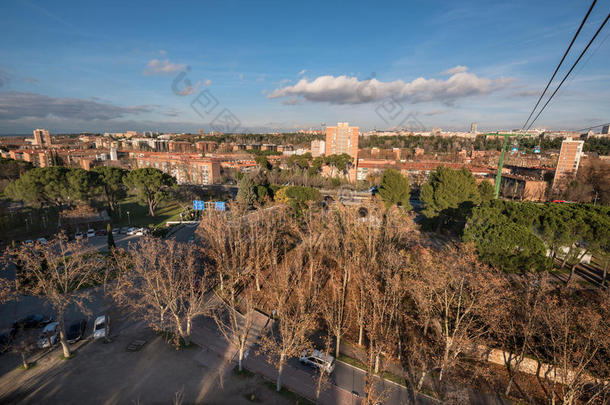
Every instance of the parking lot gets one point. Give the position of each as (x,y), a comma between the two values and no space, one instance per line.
(110,374)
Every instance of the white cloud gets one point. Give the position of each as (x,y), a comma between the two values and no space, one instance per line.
(350,90)
(162,67)
(208,82)
(302,72)
(456,69)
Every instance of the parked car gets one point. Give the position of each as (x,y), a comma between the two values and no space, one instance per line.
(101,232)
(41,240)
(32,321)
(131,231)
(319,359)
(115,231)
(99,327)
(124,229)
(49,335)
(141,231)
(78,235)
(76,331)
(90,233)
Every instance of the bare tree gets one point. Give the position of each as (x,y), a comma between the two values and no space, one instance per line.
(225,243)
(235,316)
(384,289)
(262,234)
(574,341)
(25,343)
(163,282)
(513,323)
(321,377)
(452,296)
(287,292)
(59,271)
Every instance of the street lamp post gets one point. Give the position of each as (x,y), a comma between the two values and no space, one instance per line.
(128,218)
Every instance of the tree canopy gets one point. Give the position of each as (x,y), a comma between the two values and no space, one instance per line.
(519,236)
(40,186)
(112,184)
(246,193)
(394,189)
(151,186)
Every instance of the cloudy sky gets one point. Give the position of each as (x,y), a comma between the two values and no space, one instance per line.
(179,66)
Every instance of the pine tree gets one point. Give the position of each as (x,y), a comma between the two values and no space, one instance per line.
(394,189)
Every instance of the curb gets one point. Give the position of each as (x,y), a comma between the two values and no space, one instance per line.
(417,393)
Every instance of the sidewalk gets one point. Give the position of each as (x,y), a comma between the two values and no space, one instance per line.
(212,342)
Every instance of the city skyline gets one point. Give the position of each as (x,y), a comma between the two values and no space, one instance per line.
(280,67)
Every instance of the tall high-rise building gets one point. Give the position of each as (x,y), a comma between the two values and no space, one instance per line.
(473,128)
(606,129)
(569,159)
(342,139)
(42,137)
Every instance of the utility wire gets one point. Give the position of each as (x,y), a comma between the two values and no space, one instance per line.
(570,71)
(596,126)
(560,62)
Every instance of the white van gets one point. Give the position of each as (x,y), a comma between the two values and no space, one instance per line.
(319,359)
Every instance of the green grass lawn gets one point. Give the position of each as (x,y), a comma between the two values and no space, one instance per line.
(138,214)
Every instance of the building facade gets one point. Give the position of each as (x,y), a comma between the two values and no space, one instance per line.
(342,139)
(185,169)
(318,147)
(567,164)
(42,137)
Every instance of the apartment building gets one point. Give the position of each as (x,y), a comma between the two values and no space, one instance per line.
(567,164)
(187,169)
(342,139)
(42,137)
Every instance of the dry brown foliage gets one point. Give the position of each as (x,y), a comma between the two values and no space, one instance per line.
(61,272)
(164,283)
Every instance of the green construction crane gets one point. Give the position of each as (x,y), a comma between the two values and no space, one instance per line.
(501,163)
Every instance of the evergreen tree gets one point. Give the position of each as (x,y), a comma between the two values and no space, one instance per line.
(449,194)
(394,189)
(246,194)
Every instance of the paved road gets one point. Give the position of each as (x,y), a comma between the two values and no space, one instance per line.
(185,233)
(351,379)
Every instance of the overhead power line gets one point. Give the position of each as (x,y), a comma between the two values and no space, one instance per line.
(570,71)
(560,63)
(596,126)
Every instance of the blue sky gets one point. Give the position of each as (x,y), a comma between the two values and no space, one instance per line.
(109,66)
